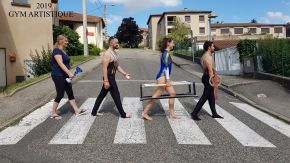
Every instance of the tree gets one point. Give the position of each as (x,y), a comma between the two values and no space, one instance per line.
(129,34)
(180,31)
(74,46)
(254,21)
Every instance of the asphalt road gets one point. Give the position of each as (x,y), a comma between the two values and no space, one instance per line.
(227,140)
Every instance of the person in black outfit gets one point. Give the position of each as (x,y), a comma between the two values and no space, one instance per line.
(207,64)
(110,67)
(61,71)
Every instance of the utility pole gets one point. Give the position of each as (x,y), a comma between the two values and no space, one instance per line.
(85,37)
(105,18)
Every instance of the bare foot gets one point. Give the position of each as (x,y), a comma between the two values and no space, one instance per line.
(147,117)
(173,116)
(128,115)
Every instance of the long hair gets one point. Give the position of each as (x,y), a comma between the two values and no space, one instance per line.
(163,44)
(58,39)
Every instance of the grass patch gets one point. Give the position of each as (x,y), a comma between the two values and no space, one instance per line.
(10,88)
(79,59)
(184,52)
(74,61)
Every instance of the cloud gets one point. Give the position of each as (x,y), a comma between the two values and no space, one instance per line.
(141,5)
(287,3)
(276,17)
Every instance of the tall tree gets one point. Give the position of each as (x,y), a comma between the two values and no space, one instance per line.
(129,34)
(180,30)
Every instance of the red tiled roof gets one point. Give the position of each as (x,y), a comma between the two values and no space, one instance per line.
(144,29)
(223,44)
(77,17)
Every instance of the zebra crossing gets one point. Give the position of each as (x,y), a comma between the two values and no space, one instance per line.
(132,130)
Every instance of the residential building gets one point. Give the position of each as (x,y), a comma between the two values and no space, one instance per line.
(22,32)
(152,30)
(202,29)
(288,30)
(144,42)
(197,21)
(223,31)
(95,27)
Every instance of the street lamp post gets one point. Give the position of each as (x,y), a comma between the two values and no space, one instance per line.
(211,16)
(105,17)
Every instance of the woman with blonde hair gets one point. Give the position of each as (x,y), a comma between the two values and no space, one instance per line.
(61,71)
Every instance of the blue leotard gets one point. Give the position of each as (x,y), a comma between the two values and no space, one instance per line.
(166,65)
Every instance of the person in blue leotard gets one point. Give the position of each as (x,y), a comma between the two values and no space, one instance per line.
(163,77)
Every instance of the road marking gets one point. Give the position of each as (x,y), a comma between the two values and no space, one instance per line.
(77,127)
(276,124)
(131,130)
(14,134)
(185,129)
(245,135)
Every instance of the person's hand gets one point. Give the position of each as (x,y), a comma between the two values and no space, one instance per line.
(127,76)
(106,84)
(70,75)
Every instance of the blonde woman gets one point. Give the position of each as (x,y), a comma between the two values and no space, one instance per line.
(61,71)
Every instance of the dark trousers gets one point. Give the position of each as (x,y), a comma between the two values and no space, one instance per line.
(114,91)
(61,86)
(208,94)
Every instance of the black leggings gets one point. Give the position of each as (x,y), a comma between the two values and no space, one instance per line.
(208,94)
(61,86)
(114,91)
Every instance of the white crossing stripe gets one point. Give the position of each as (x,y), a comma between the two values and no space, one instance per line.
(276,124)
(77,127)
(245,135)
(185,129)
(131,130)
(14,134)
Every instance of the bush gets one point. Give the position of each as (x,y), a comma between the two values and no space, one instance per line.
(93,50)
(74,46)
(41,63)
(198,53)
(275,55)
(246,48)
(106,45)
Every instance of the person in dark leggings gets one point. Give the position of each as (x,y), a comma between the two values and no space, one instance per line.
(110,67)
(207,64)
(61,71)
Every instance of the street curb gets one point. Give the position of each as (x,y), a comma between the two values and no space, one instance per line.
(22,115)
(46,77)
(245,99)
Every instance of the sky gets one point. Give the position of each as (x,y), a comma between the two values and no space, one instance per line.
(228,11)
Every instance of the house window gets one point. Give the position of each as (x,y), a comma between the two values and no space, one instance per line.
(170,20)
(20,3)
(253,30)
(201,30)
(265,30)
(278,30)
(213,29)
(239,31)
(187,18)
(201,18)
(225,31)
(169,30)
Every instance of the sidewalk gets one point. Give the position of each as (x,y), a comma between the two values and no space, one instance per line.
(28,99)
(264,95)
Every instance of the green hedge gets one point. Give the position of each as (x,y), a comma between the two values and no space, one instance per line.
(275,56)
(93,50)
(41,62)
